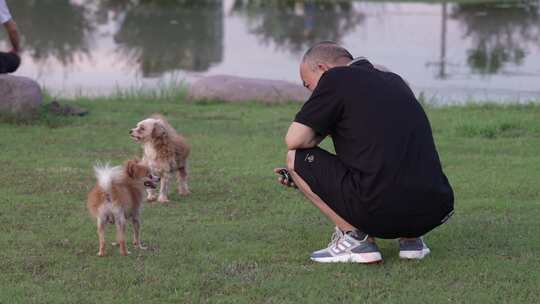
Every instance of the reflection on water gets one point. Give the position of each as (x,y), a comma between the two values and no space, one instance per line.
(169,35)
(53,28)
(102,44)
(296,25)
(501,34)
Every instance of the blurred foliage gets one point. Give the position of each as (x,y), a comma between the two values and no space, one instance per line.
(170,35)
(501,33)
(296,25)
(62,33)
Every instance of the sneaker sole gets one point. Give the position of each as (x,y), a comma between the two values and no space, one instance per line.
(414,254)
(364,258)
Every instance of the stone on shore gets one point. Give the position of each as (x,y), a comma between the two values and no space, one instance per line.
(65,110)
(239,89)
(20,97)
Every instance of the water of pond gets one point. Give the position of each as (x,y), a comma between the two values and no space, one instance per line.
(447,50)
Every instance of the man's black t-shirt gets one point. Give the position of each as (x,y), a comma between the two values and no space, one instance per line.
(381,133)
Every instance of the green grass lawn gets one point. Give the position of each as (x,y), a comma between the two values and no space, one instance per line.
(242,238)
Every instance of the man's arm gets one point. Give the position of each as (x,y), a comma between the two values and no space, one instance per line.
(13,33)
(301,136)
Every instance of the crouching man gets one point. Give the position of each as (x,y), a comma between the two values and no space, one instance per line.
(385,179)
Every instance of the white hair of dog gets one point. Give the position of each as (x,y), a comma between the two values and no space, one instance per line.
(105,175)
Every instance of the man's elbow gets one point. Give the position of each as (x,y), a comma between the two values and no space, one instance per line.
(289,143)
(292,143)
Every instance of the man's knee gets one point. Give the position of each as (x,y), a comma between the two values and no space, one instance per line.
(290,160)
(9,62)
(15,63)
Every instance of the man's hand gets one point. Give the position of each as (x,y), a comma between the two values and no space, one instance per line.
(282,180)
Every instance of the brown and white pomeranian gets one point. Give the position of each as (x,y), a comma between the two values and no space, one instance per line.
(117,197)
(165,152)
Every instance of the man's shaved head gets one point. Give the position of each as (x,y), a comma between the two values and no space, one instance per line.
(320,58)
(327,52)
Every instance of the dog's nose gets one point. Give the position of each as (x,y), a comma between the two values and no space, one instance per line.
(130,132)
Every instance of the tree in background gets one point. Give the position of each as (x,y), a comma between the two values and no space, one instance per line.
(296,25)
(501,33)
(166,35)
(61,35)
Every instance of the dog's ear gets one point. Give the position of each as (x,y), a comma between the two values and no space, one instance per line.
(158,130)
(130,168)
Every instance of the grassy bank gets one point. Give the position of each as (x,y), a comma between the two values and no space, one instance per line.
(242,238)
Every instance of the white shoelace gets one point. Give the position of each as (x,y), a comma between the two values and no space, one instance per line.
(336,236)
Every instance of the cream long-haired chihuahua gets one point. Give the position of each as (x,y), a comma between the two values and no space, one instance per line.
(117,197)
(165,152)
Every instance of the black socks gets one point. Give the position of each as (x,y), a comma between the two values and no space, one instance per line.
(356,234)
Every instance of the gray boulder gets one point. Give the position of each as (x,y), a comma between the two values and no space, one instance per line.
(239,89)
(20,97)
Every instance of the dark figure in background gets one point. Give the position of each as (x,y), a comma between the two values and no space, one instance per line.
(10,61)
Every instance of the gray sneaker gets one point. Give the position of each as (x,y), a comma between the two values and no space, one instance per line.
(347,249)
(414,249)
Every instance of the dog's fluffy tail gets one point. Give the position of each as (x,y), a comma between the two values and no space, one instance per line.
(105,175)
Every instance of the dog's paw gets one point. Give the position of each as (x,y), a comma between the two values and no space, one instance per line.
(125,253)
(101,254)
(163,199)
(151,198)
(184,192)
(139,245)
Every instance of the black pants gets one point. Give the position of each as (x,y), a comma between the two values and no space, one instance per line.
(332,181)
(9,62)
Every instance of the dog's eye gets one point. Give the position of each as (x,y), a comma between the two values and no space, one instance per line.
(142,129)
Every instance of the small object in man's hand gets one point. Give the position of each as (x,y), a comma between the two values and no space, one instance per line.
(286,176)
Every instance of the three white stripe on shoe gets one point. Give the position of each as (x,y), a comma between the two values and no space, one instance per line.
(341,247)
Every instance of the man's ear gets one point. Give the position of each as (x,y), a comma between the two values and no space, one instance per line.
(158,130)
(323,66)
